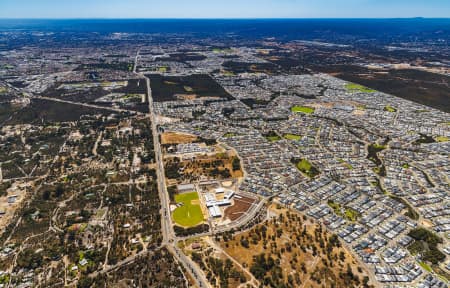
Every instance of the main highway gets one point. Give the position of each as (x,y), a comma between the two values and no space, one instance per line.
(169,238)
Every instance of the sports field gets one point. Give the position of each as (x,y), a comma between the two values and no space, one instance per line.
(302,109)
(189,214)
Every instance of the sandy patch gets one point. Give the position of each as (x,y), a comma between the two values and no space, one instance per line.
(177,138)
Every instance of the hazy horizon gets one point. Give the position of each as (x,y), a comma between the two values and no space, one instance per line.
(231,9)
(223,18)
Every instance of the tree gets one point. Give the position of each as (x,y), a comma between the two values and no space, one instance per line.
(244,243)
(85,282)
(236,163)
(59,191)
(46,195)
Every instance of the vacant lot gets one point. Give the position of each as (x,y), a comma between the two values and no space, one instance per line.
(170,88)
(41,111)
(240,207)
(184,57)
(290,251)
(426,88)
(190,213)
(218,166)
(92,92)
(220,271)
(243,67)
(177,138)
(6,111)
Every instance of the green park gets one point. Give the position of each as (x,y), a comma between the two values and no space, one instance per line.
(352,87)
(292,137)
(302,109)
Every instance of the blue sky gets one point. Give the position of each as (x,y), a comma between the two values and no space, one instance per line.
(223,9)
